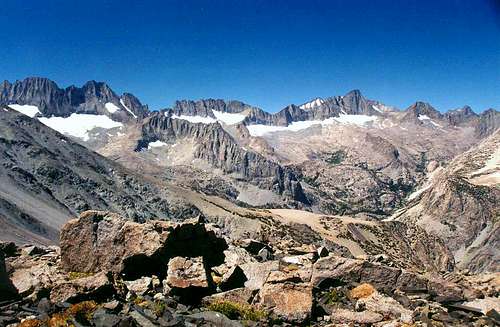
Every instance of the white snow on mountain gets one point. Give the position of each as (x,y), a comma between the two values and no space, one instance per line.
(312,104)
(126,108)
(194,119)
(156,144)
(359,120)
(111,107)
(224,117)
(427,118)
(78,125)
(27,110)
(228,118)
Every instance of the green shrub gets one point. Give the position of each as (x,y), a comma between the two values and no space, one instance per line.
(238,311)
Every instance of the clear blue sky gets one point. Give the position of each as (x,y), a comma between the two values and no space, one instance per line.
(266,53)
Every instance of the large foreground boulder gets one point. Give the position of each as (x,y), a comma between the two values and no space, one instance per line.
(103,241)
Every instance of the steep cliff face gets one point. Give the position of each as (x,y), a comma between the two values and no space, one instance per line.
(92,98)
(460,116)
(205,107)
(460,205)
(489,122)
(45,178)
(218,148)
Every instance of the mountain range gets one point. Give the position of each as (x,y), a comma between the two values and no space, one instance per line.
(68,150)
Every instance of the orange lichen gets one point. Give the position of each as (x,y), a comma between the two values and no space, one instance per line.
(362,291)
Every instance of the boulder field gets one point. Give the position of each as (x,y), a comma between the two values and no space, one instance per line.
(109,271)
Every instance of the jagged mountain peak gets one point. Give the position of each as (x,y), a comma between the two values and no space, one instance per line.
(420,108)
(53,101)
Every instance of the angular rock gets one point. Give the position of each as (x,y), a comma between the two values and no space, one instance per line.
(344,316)
(215,318)
(386,306)
(141,320)
(140,286)
(337,268)
(101,318)
(290,302)
(293,269)
(95,287)
(107,242)
(30,275)
(383,278)
(239,295)
(186,272)
(444,291)
(411,282)
(258,272)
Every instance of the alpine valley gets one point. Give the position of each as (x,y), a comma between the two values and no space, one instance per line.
(341,211)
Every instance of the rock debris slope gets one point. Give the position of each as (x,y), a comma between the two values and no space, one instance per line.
(460,204)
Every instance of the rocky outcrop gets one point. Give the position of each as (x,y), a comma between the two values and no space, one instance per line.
(110,243)
(54,101)
(489,122)
(218,148)
(419,110)
(298,288)
(205,107)
(460,116)
(460,205)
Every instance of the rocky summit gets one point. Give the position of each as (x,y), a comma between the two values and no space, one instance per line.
(341,211)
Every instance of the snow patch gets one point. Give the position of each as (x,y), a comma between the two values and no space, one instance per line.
(355,119)
(312,104)
(27,110)
(260,130)
(126,108)
(156,144)
(111,107)
(228,118)
(194,119)
(78,125)
(423,117)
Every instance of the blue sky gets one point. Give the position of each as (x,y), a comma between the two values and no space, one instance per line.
(266,53)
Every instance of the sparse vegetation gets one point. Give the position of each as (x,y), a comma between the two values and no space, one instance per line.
(234,310)
(336,157)
(77,275)
(333,296)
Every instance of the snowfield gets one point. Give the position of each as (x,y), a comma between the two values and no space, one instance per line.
(359,120)
(223,117)
(27,110)
(78,125)
(194,119)
(228,118)
(111,107)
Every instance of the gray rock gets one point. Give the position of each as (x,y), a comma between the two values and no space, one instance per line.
(141,320)
(216,318)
